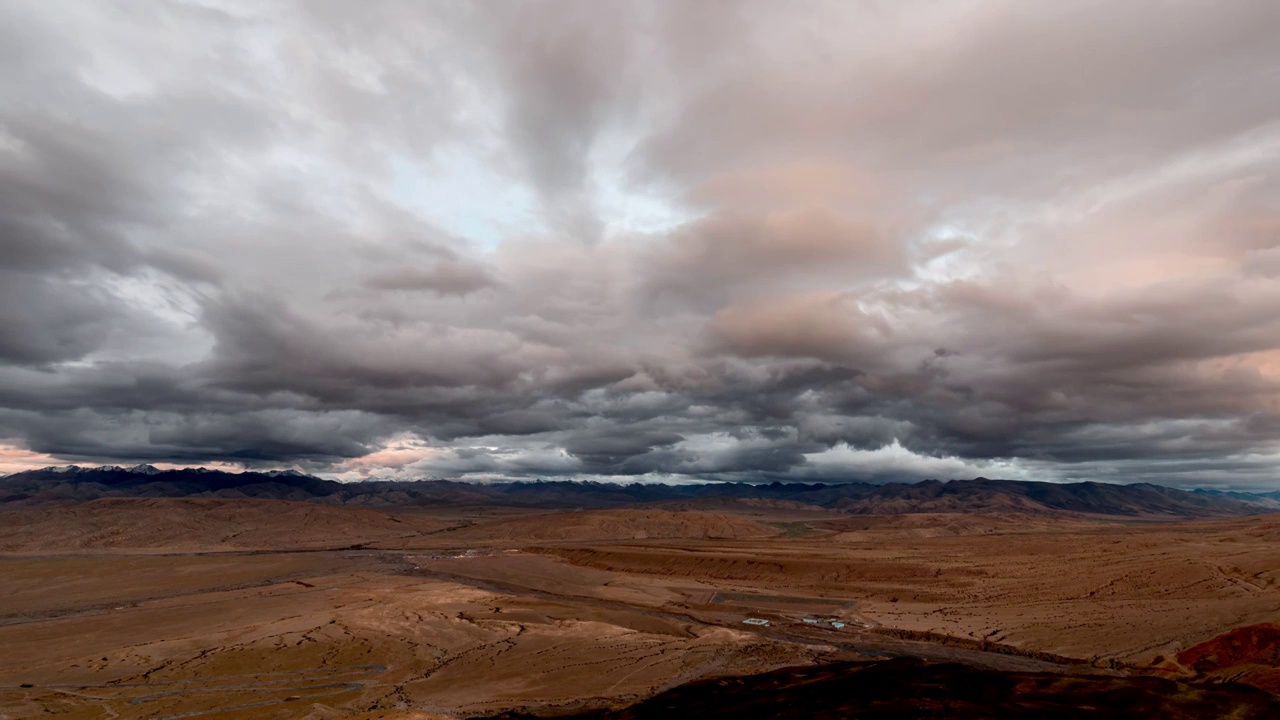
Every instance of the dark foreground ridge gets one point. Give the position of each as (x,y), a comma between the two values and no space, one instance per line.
(909,689)
(51,486)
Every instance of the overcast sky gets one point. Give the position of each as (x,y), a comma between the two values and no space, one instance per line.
(630,240)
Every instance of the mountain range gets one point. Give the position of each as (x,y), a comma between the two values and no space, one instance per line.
(69,484)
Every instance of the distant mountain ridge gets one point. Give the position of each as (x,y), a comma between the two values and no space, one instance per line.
(60,485)
(1266,499)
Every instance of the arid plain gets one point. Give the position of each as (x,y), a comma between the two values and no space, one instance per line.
(242,608)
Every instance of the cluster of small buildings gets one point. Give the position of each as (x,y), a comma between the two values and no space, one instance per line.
(455,555)
(820,622)
(834,624)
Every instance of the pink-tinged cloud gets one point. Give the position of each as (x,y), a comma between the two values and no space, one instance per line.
(15,459)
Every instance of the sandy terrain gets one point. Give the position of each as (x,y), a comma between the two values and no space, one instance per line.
(175,525)
(1128,592)
(358,636)
(638,524)
(241,608)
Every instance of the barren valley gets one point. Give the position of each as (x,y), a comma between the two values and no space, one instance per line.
(258,608)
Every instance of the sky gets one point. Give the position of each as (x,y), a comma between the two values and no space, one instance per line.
(644,241)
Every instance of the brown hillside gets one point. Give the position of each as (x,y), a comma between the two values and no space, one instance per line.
(1249,655)
(599,525)
(199,523)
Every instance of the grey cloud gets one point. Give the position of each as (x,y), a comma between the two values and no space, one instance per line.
(1263,262)
(564,67)
(444,278)
(975,95)
(736,240)
(254,437)
(266,436)
(58,325)
(603,450)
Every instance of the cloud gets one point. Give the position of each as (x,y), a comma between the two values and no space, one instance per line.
(824,326)
(646,240)
(444,278)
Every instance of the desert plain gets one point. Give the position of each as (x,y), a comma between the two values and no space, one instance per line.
(249,608)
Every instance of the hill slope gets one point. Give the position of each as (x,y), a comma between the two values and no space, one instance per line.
(1249,655)
(905,689)
(199,523)
(626,524)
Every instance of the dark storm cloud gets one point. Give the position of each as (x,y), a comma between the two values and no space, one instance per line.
(603,450)
(729,240)
(40,322)
(250,437)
